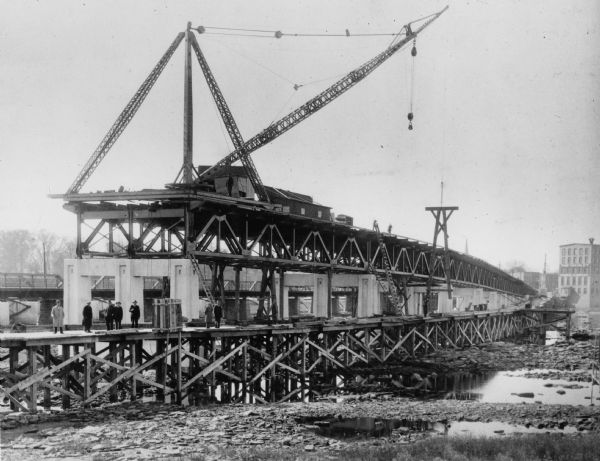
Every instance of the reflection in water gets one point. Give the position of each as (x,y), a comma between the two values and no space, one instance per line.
(515,387)
(379,427)
(376,427)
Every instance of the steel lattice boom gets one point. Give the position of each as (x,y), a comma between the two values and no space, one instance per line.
(279,127)
(124,118)
(230,124)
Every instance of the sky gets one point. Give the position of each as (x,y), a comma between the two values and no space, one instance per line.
(505,98)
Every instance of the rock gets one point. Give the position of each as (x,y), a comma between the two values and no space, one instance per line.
(561,392)
(525,395)
(309,448)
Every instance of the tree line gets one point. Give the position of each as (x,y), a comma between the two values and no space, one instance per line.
(38,252)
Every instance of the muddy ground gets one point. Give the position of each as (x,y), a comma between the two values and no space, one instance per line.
(155,431)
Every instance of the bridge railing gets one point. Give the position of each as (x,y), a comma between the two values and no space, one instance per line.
(30,281)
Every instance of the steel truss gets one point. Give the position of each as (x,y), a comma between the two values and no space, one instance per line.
(233,232)
(231,365)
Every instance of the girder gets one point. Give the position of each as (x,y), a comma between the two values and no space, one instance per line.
(232,233)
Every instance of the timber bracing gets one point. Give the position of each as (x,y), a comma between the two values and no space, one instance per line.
(273,364)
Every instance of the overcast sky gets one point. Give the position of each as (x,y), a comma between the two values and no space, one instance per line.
(505,102)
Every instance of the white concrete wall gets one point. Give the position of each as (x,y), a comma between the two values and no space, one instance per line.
(129,283)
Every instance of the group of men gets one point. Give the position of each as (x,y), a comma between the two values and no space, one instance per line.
(113,316)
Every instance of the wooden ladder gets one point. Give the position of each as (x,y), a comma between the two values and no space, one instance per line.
(203,283)
(387,266)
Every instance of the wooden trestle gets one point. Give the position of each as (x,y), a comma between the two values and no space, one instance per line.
(251,364)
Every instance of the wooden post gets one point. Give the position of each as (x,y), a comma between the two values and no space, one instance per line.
(237,293)
(329,293)
(303,367)
(112,393)
(87,376)
(281,292)
(93,387)
(32,394)
(47,364)
(245,374)
(13,364)
(66,400)
(272,372)
(179,357)
(133,350)
(161,370)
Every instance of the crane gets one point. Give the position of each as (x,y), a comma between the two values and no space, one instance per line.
(313,105)
(243,149)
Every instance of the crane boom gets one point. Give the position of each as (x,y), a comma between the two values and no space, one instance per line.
(123,119)
(287,122)
(230,124)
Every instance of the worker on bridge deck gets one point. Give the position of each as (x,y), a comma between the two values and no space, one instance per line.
(218,311)
(118,315)
(134,309)
(58,317)
(87,317)
(109,316)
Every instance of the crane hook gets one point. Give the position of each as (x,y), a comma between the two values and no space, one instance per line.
(413,52)
(410,119)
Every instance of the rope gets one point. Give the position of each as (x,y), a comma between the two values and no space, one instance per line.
(278,34)
(282,77)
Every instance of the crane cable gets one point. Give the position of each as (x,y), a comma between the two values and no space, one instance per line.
(261,33)
(413,53)
(279,34)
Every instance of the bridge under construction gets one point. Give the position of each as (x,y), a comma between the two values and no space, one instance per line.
(218,235)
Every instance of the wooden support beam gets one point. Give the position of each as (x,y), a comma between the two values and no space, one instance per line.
(66,400)
(33,388)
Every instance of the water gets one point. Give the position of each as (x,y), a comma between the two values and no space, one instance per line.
(505,387)
(366,427)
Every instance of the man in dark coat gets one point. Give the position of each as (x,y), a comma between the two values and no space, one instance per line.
(218,315)
(134,309)
(109,316)
(118,315)
(87,317)
(274,312)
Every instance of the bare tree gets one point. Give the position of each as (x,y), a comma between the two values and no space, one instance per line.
(43,251)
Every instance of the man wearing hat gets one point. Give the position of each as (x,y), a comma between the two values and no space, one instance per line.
(87,317)
(134,309)
(118,315)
